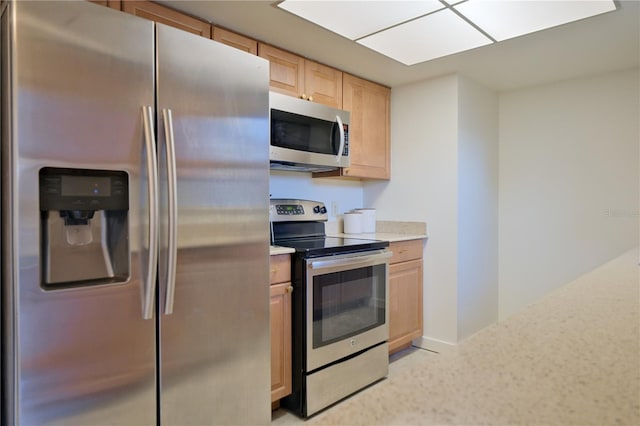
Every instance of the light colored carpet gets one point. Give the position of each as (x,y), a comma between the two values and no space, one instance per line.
(572,358)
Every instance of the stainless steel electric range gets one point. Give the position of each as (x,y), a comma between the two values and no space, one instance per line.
(339,307)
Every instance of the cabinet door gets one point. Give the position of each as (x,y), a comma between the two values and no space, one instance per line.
(405,303)
(369,129)
(158,13)
(235,40)
(369,135)
(286,70)
(113,4)
(280,340)
(323,84)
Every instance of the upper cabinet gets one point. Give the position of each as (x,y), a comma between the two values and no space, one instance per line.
(296,76)
(293,75)
(113,4)
(323,84)
(369,130)
(235,40)
(164,15)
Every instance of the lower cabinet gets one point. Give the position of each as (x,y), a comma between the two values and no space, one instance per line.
(280,326)
(405,294)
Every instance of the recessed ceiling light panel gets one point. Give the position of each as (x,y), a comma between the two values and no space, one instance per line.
(504,19)
(433,36)
(358,18)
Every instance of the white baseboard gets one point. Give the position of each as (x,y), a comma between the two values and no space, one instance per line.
(434,345)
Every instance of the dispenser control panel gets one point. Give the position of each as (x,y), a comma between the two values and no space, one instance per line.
(80,189)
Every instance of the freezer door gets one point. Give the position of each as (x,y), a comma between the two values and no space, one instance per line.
(215,346)
(79,355)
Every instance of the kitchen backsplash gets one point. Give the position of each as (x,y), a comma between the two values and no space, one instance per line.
(339,196)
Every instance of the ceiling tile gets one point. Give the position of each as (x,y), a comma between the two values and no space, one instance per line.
(355,19)
(439,34)
(504,19)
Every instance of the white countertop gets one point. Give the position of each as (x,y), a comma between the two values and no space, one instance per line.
(274,250)
(391,231)
(384,236)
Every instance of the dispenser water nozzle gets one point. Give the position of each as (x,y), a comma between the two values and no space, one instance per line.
(77,226)
(76,217)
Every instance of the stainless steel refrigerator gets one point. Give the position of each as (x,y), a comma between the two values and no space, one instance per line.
(134,222)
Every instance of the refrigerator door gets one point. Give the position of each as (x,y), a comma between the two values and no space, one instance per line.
(215,345)
(80,355)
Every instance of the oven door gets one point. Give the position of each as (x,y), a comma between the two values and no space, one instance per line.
(347,305)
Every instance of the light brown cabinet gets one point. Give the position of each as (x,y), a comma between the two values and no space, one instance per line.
(236,40)
(296,76)
(159,13)
(113,4)
(405,294)
(369,130)
(280,326)
(323,84)
(293,75)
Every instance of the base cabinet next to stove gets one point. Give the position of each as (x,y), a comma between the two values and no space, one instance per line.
(405,294)
(281,289)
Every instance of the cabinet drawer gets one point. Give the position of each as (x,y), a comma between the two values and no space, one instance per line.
(280,268)
(406,250)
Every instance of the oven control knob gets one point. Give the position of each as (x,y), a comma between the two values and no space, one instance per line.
(323,209)
(316,209)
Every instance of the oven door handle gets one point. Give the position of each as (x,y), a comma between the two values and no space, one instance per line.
(350,261)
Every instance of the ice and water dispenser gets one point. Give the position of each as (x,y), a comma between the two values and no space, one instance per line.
(84,227)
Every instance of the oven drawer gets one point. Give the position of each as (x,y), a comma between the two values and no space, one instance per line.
(340,380)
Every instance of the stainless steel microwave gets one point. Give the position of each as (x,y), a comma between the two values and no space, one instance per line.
(307,136)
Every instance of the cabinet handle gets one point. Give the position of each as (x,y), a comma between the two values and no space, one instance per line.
(274,270)
(290,289)
(311,98)
(304,96)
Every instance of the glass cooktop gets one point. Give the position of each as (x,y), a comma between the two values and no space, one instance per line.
(321,246)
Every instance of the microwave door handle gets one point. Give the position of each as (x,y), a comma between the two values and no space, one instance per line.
(341,130)
(172,254)
(152,177)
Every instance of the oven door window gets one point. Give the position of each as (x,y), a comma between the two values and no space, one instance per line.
(347,303)
(302,133)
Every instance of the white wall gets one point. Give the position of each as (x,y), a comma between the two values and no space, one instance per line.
(423,187)
(567,199)
(346,194)
(569,182)
(444,157)
(477,207)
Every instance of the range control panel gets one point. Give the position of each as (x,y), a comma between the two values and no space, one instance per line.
(284,210)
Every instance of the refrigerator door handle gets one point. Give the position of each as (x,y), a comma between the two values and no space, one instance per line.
(173,210)
(148,293)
